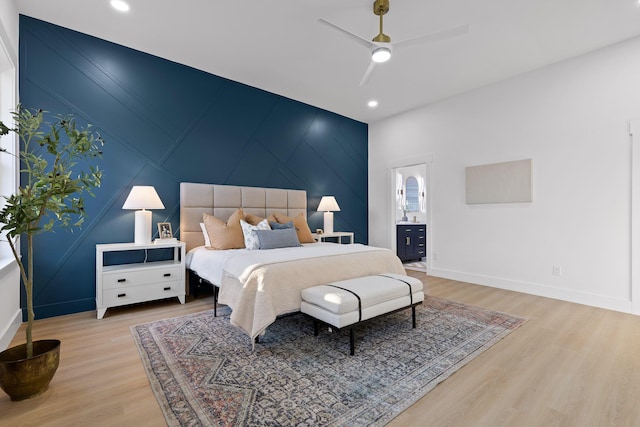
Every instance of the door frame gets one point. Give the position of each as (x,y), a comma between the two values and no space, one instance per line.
(415,160)
(634,131)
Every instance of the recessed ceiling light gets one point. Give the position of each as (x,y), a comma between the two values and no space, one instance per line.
(120,5)
(373,103)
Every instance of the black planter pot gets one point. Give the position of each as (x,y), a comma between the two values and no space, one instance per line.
(21,377)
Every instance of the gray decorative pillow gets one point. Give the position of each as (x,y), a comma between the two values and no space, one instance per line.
(278,226)
(274,239)
(250,239)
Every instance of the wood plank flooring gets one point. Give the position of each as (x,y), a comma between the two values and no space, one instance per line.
(569,365)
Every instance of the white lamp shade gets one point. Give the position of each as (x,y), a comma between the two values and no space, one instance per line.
(328,204)
(143,197)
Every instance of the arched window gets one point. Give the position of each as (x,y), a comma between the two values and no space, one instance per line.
(412,195)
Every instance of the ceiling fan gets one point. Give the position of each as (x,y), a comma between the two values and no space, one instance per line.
(381,46)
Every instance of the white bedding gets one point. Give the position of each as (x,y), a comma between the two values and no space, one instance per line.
(259,285)
(209,264)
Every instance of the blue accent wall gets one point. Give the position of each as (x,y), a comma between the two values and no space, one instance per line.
(165,123)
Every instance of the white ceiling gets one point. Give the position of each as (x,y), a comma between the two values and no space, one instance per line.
(280,47)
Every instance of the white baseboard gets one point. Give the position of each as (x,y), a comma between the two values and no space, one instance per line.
(10,330)
(584,298)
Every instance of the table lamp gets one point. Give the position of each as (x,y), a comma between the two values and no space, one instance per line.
(143,197)
(328,205)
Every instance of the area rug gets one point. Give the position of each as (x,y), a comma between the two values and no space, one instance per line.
(204,373)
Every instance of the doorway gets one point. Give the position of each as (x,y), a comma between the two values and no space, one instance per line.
(410,206)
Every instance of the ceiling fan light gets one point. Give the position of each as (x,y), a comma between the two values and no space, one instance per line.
(120,5)
(381,54)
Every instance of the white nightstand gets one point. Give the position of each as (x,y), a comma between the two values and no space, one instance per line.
(338,235)
(123,284)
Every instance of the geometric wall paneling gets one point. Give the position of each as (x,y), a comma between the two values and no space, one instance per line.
(164,123)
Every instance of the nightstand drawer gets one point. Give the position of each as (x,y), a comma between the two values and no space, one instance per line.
(126,278)
(134,294)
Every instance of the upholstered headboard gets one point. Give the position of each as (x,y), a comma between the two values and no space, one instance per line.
(222,200)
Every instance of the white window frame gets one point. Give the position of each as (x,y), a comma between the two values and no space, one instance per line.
(9,165)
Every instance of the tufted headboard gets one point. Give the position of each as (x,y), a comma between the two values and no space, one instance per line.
(222,200)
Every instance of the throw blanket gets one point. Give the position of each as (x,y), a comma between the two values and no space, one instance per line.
(262,285)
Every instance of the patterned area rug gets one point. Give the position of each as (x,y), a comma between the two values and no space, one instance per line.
(204,373)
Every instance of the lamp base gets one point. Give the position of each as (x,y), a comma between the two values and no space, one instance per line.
(328,222)
(143,227)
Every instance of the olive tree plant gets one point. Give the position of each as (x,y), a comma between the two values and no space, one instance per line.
(50,193)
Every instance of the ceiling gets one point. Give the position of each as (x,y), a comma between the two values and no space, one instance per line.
(280,47)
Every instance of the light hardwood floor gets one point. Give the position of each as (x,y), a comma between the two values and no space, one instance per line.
(569,365)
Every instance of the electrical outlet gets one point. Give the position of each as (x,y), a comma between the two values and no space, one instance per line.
(556,270)
(435,256)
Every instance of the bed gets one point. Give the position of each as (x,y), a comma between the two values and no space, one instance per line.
(259,285)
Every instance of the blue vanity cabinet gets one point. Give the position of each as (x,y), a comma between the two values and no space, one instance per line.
(411,241)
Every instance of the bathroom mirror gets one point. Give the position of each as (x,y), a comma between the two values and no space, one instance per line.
(412,191)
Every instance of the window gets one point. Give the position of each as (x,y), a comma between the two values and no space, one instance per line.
(8,164)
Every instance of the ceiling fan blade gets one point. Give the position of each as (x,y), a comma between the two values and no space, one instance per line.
(367,74)
(364,42)
(433,37)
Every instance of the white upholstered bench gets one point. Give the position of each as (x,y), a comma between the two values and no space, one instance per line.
(347,303)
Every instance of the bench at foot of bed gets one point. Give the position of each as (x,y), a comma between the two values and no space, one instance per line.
(347,303)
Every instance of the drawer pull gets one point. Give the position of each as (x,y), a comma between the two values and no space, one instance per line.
(408,230)
(122,295)
(122,280)
(168,288)
(167,274)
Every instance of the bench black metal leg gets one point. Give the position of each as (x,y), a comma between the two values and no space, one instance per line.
(352,340)
(215,301)
(413,315)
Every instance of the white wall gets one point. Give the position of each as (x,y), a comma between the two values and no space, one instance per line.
(10,314)
(572,119)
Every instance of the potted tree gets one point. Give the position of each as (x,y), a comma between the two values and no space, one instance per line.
(49,196)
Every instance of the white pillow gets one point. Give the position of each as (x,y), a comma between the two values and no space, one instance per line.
(250,238)
(207,242)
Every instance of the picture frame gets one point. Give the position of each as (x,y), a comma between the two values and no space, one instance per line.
(164,230)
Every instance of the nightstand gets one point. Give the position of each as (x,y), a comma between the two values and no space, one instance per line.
(338,235)
(123,284)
